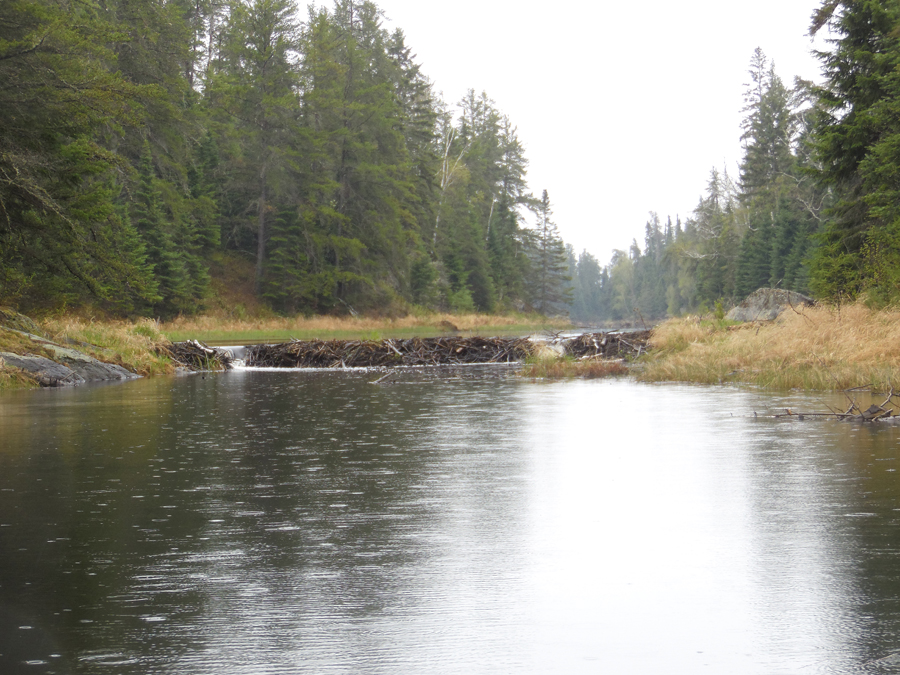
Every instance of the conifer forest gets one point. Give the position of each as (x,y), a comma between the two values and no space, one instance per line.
(145,143)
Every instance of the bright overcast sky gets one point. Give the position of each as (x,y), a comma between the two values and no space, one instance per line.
(623,108)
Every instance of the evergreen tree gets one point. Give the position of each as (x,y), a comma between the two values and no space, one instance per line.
(254,81)
(549,288)
(138,138)
(856,144)
(587,301)
(60,232)
(168,260)
(505,237)
(772,192)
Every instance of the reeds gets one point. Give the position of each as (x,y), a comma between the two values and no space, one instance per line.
(816,348)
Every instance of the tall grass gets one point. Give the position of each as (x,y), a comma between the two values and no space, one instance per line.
(14,378)
(547,363)
(219,329)
(132,345)
(816,348)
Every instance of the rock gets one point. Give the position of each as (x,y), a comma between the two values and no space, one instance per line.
(766,304)
(12,319)
(65,366)
(48,373)
(87,367)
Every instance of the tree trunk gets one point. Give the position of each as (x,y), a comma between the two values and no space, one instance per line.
(261,231)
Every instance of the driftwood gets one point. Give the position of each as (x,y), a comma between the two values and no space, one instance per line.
(885,412)
(195,355)
(437,351)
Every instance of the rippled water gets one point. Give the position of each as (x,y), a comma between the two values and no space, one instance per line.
(309,522)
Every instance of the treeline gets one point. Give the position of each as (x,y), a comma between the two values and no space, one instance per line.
(142,139)
(815,204)
(750,231)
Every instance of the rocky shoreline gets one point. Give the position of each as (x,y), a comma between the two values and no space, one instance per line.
(49,363)
(60,366)
(67,367)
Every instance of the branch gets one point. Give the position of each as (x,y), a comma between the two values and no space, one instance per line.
(4,57)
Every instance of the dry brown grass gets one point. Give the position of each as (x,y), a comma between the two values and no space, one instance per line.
(549,364)
(217,328)
(15,342)
(564,368)
(817,348)
(14,378)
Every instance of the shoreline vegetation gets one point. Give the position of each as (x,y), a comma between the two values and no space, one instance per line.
(825,347)
(819,348)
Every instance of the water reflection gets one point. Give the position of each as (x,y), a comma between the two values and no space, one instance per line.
(466,523)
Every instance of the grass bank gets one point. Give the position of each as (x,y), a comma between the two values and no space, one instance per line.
(132,345)
(216,330)
(816,348)
(15,343)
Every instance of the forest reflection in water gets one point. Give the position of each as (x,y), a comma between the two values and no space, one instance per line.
(463,522)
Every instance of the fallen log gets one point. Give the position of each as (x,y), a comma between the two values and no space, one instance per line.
(885,412)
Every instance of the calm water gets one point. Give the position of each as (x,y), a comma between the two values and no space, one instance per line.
(304,522)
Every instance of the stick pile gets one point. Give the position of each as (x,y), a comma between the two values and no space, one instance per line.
(607,345)
(371,353)
(197,356)
(440,351)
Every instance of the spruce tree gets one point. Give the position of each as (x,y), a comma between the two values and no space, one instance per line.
(254,82)
(549,289)
(61,235)
(856,144)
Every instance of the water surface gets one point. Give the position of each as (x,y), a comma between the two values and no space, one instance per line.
(471,522)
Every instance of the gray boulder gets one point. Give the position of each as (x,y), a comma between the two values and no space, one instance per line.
(48,373)
(766,304)
(67,367)
(87,367)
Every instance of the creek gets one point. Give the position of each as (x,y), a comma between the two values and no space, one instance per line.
(448,521)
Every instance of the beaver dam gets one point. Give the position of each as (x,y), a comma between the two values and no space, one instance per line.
(438,351)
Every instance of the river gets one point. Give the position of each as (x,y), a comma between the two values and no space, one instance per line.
(449,522)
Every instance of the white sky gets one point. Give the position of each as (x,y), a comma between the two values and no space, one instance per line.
(623,107)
